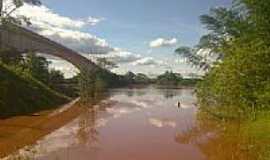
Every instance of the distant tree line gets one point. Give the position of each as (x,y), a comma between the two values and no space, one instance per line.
(166,79)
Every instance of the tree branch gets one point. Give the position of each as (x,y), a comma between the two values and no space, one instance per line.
(10,12)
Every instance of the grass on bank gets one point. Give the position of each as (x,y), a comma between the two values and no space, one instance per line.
(21,94)
(259,131)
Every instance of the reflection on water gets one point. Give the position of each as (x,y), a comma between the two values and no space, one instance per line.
(140,124)
(226,140)
(162,122)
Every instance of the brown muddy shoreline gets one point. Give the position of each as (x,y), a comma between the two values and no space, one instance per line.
(18,132)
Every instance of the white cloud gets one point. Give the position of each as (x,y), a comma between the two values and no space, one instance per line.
(118,56)
(68,69)
(94,21)
(161,42)
(124,56)
(65,30)
(45,16)
(148,61)
(68,31)
(159,123)
(77,40)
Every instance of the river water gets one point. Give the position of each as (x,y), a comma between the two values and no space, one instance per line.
(131,124)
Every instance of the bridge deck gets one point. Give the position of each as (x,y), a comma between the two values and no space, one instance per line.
(25,40)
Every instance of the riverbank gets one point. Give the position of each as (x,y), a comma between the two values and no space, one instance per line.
(22,94)
(20,131)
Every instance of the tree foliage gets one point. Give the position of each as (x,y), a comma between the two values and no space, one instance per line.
(238,38)
(169,78)
(11,56)
(22,94)
(8,8)
(38,67)
(106,64)
(141,78)
(224,26)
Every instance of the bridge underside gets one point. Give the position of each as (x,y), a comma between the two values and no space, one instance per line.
(23,40)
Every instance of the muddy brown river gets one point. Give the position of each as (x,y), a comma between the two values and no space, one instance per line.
(130,124)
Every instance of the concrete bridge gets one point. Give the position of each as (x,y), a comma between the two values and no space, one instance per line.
(24,40)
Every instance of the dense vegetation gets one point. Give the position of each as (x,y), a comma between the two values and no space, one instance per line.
(28,85)
(94,83)
(22,94)
(238,41)
(37,87)
(167,79)
(235,55)
(175,79)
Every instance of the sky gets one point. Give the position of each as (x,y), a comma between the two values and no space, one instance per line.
(139,35)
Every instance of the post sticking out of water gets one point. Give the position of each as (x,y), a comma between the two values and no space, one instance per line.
(179,104)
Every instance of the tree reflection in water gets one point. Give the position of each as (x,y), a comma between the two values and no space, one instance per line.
(170,93)
(87,133)
(88,121)
(135,92)
(220,140)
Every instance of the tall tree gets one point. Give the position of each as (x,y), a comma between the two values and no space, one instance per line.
(106,64)
(224,26)
(238,41)
(38,67)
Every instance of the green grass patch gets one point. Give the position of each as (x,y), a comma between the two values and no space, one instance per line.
(260,127)
(21,94)
(259,131)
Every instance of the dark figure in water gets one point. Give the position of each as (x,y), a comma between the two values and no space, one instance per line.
(179,104)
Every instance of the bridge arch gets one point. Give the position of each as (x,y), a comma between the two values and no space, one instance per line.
(24,40)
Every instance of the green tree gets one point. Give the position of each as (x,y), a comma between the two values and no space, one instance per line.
(11,56)
(56,79)
(87,88)
(169,78)
(56,76)
(141,78)
(130,77)
(6,15)
(238,41)
(224,25)
(106,64)
(38,67)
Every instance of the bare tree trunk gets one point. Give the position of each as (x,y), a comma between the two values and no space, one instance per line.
(1,7)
